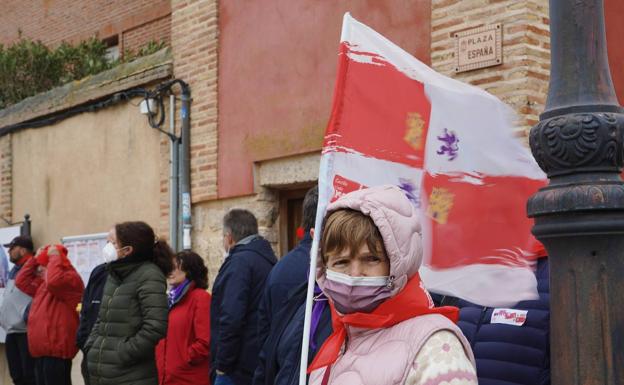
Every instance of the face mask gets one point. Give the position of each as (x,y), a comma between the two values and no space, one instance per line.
(109,252)
(356,294)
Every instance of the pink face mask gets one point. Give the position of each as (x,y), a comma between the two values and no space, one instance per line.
(356,294)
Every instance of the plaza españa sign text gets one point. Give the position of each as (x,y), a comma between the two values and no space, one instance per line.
(478,48)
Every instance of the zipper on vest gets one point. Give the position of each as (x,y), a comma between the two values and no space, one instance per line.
(481,319)
(105,334)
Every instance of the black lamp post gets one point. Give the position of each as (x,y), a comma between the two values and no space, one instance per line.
(579,216)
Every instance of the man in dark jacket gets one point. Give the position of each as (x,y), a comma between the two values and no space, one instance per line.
(510,345)
(291,271)
(236,295)
(13,312)
(280,357)
(91,300)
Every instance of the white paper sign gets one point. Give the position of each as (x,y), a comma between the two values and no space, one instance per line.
(513,317)
(85,252)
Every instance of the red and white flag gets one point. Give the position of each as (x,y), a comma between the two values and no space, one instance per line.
(450,147)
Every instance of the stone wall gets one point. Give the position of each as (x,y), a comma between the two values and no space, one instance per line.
(208,218)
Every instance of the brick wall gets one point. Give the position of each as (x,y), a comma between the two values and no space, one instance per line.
(522,80)
(157,30)
(6,178)
(53,21)
(194,42)
(194,38)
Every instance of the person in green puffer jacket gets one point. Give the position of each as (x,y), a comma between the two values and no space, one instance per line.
(134,311)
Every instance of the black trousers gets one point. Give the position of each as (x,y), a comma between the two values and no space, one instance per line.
(53,371)
(21,364)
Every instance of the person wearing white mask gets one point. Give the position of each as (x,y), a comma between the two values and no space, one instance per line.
(134,311)
(386,330)
(91,299)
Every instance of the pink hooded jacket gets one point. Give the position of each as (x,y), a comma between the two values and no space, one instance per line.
(389,356)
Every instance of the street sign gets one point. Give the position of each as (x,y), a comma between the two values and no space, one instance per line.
(478,48)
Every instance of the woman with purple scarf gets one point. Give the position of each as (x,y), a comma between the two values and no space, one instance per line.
(183,356)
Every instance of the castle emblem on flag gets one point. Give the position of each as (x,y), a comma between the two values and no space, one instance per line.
(414,134)
(449,145)
(440,204)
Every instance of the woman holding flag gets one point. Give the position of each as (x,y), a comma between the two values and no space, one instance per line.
(386,328)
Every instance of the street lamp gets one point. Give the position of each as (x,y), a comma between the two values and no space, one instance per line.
(579,216)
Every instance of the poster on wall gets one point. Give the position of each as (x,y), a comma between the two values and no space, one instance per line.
(6,235)
(85,252)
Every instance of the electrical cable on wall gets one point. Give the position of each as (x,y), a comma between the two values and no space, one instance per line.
(155,120)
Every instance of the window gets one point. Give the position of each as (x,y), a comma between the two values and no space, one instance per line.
(112,50)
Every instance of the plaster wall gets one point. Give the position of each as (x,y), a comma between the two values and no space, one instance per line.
(277,69)
(614,10)
(86,173)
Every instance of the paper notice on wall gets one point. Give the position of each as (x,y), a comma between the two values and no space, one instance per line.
(85,252)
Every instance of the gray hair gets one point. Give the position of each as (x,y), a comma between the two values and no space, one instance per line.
(240,223)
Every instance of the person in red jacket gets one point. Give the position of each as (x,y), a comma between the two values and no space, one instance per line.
(182,357)
(56,288)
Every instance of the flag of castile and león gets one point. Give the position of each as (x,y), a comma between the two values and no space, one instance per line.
(451,148)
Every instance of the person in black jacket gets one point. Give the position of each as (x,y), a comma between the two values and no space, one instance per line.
(291,271)
(89,312)
(280,357)
(236,295)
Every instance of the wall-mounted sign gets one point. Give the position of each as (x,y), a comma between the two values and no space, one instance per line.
(478,48)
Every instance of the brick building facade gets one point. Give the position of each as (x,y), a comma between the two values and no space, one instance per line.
(131,23)
(257,114)
(262,74)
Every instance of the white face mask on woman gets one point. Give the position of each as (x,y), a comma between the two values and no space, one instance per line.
(109,252)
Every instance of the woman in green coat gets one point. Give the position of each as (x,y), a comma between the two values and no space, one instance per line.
(133,314)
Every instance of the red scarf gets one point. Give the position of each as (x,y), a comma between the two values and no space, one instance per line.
(411,302)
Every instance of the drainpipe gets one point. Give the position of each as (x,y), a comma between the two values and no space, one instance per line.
(174,178)
(185,163)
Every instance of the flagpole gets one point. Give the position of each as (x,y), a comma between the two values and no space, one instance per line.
(325,191)
(303,367)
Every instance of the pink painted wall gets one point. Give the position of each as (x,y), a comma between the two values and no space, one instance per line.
(614,13)
(277,66)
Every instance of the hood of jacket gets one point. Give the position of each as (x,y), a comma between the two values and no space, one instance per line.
(121,268)
(399,225)
(260,246)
